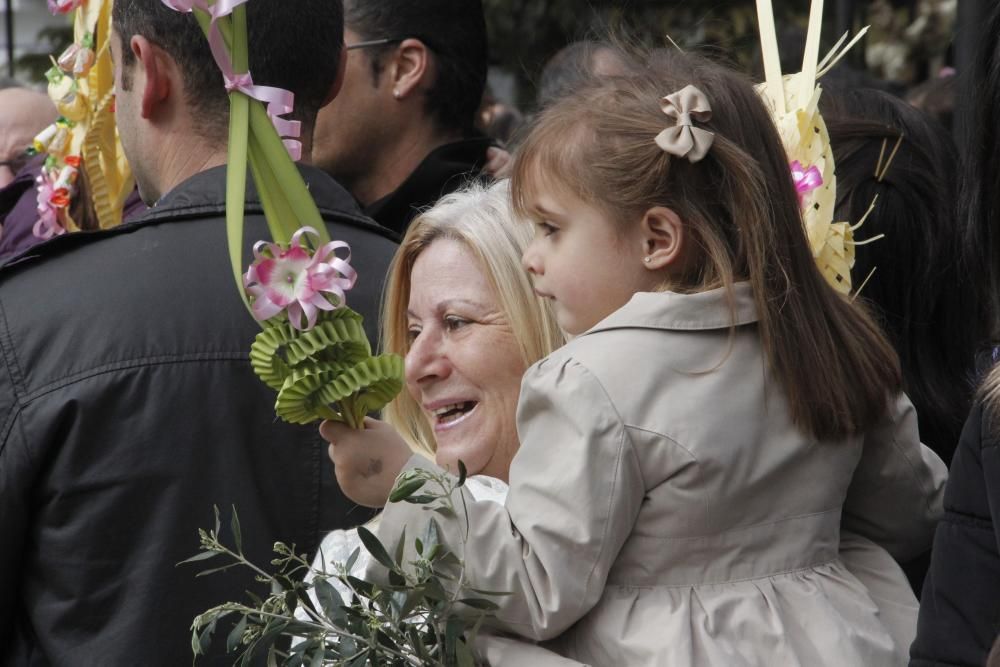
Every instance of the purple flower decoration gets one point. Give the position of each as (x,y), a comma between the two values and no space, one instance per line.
(806,180)
(298,281)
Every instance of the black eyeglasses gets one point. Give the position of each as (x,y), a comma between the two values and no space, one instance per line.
(369,43)
(16,163)
(374,42)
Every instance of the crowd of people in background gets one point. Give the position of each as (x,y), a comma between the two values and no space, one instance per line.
(128,407)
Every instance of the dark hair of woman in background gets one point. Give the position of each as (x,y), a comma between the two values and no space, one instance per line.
(896,156)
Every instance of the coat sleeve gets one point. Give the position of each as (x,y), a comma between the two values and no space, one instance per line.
(575,492)
(896,495)
(960,607)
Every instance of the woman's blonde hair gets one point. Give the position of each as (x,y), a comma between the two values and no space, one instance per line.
(481,219)
(741,218)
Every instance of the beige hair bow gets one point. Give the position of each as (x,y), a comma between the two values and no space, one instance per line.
(684,139)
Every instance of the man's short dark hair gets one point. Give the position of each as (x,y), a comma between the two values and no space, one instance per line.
(454,31)
(294,44)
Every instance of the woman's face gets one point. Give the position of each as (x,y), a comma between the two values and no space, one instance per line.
(463,366)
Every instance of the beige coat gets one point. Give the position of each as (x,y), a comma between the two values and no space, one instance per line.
(665,511)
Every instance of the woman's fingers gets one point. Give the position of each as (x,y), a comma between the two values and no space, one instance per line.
(366,462)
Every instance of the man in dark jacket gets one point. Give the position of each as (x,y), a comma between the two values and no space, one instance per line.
(401,133)
(128,407)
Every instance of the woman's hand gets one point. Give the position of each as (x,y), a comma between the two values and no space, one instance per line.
(366,462)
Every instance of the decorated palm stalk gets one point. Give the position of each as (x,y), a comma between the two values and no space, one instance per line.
(313,350)
(83,142)
(794,103)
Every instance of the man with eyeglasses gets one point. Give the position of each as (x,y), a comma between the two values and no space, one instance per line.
(400,135)
(23,114)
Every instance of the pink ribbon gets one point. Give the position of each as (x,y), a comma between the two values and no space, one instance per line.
(48,222)
(278,100)
(806,180)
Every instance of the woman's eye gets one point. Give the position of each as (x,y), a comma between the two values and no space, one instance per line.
(411,335)
(453,323)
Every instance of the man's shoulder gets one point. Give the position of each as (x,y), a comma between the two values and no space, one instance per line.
(201,198)
(204,196)
(159,286)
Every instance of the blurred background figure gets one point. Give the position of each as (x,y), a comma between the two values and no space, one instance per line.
(936,97)
(401,134)
(498,120)
(574,64)
(23,114)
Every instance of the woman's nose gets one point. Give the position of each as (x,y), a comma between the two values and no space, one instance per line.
(426,359)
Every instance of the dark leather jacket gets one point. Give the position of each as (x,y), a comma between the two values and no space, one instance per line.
(128,409)
(960,606)
(444,170)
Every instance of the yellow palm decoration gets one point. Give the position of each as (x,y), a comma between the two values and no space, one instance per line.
(85,137)
(794,104)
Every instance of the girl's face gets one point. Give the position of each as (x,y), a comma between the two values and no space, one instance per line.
(582,261)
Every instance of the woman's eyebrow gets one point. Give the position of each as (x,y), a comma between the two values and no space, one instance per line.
(460,302)
(447,303)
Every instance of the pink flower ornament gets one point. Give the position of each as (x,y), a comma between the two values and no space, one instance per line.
(47,201)
(806,180)
(296,281)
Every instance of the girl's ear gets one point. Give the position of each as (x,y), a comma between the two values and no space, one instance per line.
(662,235)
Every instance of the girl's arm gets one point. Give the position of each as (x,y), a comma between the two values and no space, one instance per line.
(895,498)
(576,490)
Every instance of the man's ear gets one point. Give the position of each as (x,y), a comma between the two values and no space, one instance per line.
(338,81)
(154,69)
(411,67)
(662,234)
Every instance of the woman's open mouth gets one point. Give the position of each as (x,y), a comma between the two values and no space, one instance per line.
(448,416)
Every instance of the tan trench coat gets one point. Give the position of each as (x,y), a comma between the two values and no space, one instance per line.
(665,511)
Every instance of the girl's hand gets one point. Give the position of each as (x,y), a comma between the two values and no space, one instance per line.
(366,462)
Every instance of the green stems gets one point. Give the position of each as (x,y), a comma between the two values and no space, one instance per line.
(254,141)
(236,170)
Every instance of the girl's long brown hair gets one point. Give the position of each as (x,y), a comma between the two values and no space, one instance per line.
(741,213)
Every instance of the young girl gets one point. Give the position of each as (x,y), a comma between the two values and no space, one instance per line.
(687,461)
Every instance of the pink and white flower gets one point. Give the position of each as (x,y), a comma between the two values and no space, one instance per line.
(298,281)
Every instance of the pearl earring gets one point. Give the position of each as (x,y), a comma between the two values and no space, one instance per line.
(648,260)
(396,94)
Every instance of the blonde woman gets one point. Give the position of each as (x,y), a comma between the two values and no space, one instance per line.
(457,279)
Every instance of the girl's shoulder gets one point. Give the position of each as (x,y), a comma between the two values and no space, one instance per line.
(585,371)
